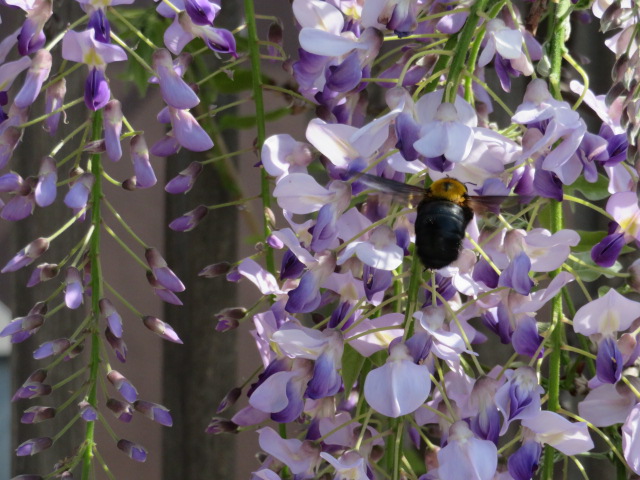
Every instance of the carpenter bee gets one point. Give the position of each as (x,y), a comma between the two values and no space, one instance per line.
(445,209)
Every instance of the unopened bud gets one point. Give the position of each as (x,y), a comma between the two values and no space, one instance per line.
(133,450)
(634,272)
(123,411)
(189,220)
(229,399)
(219,425)
(215,269)
(124,386)
(129,184)
(37,414)
(161,328)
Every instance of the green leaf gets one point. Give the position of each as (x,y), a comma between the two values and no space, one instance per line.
(592,191)
(352,363)
(588,271)
(588,239)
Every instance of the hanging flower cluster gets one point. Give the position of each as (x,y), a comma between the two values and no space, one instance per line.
(368,353)
(33,67)
(381,367)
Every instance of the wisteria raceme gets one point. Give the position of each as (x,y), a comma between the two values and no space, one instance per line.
(487,368)
(340,239)
(33,67)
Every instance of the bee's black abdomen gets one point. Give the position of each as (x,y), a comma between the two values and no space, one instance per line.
(440,229)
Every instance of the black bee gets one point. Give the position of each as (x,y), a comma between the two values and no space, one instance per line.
(445,209)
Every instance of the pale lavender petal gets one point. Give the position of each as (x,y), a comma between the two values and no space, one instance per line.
(46,191)
(96,90)
(399,387)
(631,439)
(112,122)
(74,290)
(188,131)
(37,74)
(175,91)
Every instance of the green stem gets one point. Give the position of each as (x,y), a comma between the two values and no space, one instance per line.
(557,334)
(256,73)
(462,48)
(96,293)
(42,118)
(131,27)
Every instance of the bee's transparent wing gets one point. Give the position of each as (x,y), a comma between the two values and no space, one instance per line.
(403,192)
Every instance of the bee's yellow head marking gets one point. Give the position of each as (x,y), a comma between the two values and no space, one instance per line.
(448,189)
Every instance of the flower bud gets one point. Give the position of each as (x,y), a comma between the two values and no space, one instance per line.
(229,399)
(33,446)
(37,414)
(634,272)
(274,35)
(145,176)
(45,190)
(114,320)
(189,220)
(87,412)
(27,255)
(53,347)
(133,450)
(54,99)
(112,128)
(161,328)
(162,272)
(117,344)
(219,425)
(184,181)
(154,411)
(215,269)
(123,411)
(124,386)
(129,184)
(36,75)
(78,194)
(74,289)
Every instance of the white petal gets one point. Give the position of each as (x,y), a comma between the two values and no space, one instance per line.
(509,43)
(397,388)
(325,43)
(316,14)
(332,140)
(300,193)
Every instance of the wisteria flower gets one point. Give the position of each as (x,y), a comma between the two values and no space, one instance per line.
(400,386)
(83,47)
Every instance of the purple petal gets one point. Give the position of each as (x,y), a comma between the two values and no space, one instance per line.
(46,191)
(18,208)
(516,275)
(184,181)
(523,464)
(36,75)
(609,361)
(112,128)
(202,12)
(134,451)
(175,91)
(188,131)
(606,252)
(526,339)
(78,194)
(31,38)
(96,90)
(54,99)
(99,22)
(161,328)
(399,387)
